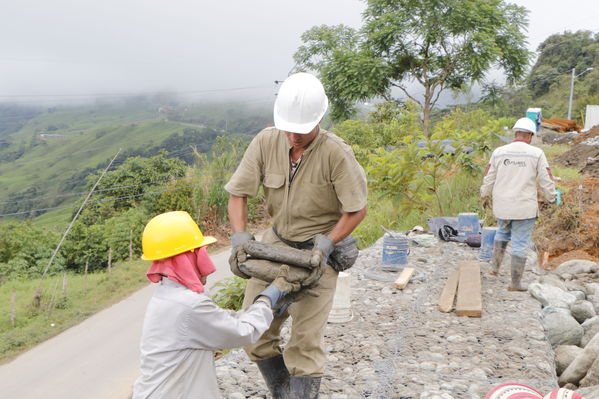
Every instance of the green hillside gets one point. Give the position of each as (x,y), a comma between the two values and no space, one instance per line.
(45,163)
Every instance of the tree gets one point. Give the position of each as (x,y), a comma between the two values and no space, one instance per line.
(440,44)
(558,54)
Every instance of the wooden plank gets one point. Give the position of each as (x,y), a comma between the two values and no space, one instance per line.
(469,300)
(404,278)
(448,295)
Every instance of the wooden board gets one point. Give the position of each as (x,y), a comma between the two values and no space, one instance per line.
(404,278)
(469,301)
(448,295)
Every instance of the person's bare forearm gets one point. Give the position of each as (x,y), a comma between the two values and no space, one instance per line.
(348,222)
(238,213)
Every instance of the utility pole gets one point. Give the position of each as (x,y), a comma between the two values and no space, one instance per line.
(571,93)
(574,76)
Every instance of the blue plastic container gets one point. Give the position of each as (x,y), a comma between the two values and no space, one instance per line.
(468,224)
(486,244)
(395,250)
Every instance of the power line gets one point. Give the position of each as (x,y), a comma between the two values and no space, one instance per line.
(78,213)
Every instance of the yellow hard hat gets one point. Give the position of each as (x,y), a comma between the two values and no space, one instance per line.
(170,234)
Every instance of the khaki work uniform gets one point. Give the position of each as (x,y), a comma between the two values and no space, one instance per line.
(327,183)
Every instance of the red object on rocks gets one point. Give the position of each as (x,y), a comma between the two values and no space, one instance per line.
(563,393)
(512,390)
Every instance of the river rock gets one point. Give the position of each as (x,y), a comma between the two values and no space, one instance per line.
(552,296)
(576,266)
(592,288)
(579,367)
(591,328)
(553,280)
(592,376)
(561,327)
(582,310)
(564,355)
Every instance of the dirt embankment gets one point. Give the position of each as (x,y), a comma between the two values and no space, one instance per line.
(571,231)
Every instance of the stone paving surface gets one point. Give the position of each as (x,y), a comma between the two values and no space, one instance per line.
(398,345)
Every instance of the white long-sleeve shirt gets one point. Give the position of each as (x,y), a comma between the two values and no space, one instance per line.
(181,329)
(513,173)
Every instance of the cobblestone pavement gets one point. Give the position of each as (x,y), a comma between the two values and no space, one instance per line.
(398,345)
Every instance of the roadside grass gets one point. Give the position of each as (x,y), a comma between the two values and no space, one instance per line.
(566,174)
(554,150)
(57,310)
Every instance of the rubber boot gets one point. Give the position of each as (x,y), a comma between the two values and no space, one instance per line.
(304,387)
(498,253)
(518,264)
(276,376)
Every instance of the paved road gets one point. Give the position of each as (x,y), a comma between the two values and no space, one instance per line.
(97,359)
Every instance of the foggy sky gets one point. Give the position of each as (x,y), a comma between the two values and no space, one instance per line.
(69,48)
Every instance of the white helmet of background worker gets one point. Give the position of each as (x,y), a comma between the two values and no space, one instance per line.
(301,103)
(525,125)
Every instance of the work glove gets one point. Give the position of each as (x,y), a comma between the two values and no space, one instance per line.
(238,254)
(323,247)
(296,296)
(240,238)
(558,197)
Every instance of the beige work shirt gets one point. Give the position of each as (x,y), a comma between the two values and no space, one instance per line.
(327,183)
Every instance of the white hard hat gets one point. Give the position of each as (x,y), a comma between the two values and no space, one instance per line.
(525,125)
(300,104)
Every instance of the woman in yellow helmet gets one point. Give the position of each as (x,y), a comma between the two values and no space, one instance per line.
(182,326)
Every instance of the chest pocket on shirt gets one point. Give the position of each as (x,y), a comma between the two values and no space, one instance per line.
(274,189)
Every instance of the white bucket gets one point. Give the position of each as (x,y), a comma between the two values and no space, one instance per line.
(341,311)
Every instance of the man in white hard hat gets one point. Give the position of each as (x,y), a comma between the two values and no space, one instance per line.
(512,175)
(316,195)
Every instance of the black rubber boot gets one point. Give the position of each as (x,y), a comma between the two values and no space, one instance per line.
(276,376)
(518,264)
(498,253)
(304,387)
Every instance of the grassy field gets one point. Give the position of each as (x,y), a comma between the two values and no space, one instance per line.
(60,306)
(47,165)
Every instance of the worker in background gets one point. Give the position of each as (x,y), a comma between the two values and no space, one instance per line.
(182,326)
(316,195)
(511,178)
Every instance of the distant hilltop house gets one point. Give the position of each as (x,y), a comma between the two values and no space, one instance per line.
(50,136)
(164,111)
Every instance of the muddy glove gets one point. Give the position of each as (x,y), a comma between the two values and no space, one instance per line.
(296,296)
(238,255)
(323,247)
(279,288)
